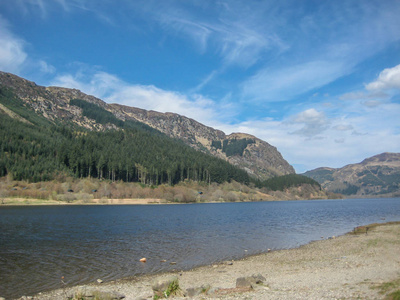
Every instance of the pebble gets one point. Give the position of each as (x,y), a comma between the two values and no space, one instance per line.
(99,281)
(143,259)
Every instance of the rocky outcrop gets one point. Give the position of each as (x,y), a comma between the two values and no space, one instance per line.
(258,158)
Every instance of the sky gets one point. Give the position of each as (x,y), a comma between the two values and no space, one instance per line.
(318,79)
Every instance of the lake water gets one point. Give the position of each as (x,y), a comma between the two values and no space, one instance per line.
(40,244)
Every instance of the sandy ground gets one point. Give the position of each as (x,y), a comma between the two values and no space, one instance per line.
(353,266)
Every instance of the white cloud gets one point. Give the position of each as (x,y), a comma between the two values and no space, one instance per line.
(388,79)
(312,121)
(12,53)
(379,91)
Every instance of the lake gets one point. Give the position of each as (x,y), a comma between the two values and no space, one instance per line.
(40,244)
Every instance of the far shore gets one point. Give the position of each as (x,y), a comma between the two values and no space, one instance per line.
(364,264)
(135,201)
(31,201)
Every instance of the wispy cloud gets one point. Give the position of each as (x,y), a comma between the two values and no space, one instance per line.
(43,9)
(26,7)
(282,84)
(12,53)
(240,39)
(323,48)
(365,95)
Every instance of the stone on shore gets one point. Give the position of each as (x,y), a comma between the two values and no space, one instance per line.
(243,282)
(193,292)
(250,281)
(258,279)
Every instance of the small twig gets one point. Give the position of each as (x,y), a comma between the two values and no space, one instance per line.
(64,286)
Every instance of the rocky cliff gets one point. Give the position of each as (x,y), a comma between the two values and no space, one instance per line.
(257,157)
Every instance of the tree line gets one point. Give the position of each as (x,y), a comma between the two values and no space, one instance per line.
(281,183)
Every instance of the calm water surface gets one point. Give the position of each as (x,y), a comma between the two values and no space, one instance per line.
(39,245)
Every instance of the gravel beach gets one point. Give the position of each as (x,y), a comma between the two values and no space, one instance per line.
(365,265)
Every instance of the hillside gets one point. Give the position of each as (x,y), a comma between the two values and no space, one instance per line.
(378,175)
(39,150)
(249,153)
(62,145)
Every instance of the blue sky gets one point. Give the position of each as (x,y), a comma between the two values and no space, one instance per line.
(320,80)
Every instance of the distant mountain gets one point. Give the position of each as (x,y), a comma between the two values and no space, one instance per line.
(378,175)
(66,106)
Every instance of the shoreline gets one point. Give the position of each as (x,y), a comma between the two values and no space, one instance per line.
(134,201)
(38,202)
(349,266)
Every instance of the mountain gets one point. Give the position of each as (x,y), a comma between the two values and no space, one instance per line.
(378,175)
(56,104)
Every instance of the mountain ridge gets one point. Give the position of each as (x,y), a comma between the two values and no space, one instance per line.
(378,175)
(258,158)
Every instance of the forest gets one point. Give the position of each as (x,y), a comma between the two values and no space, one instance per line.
(132,155)
(41,150)
(232,147)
